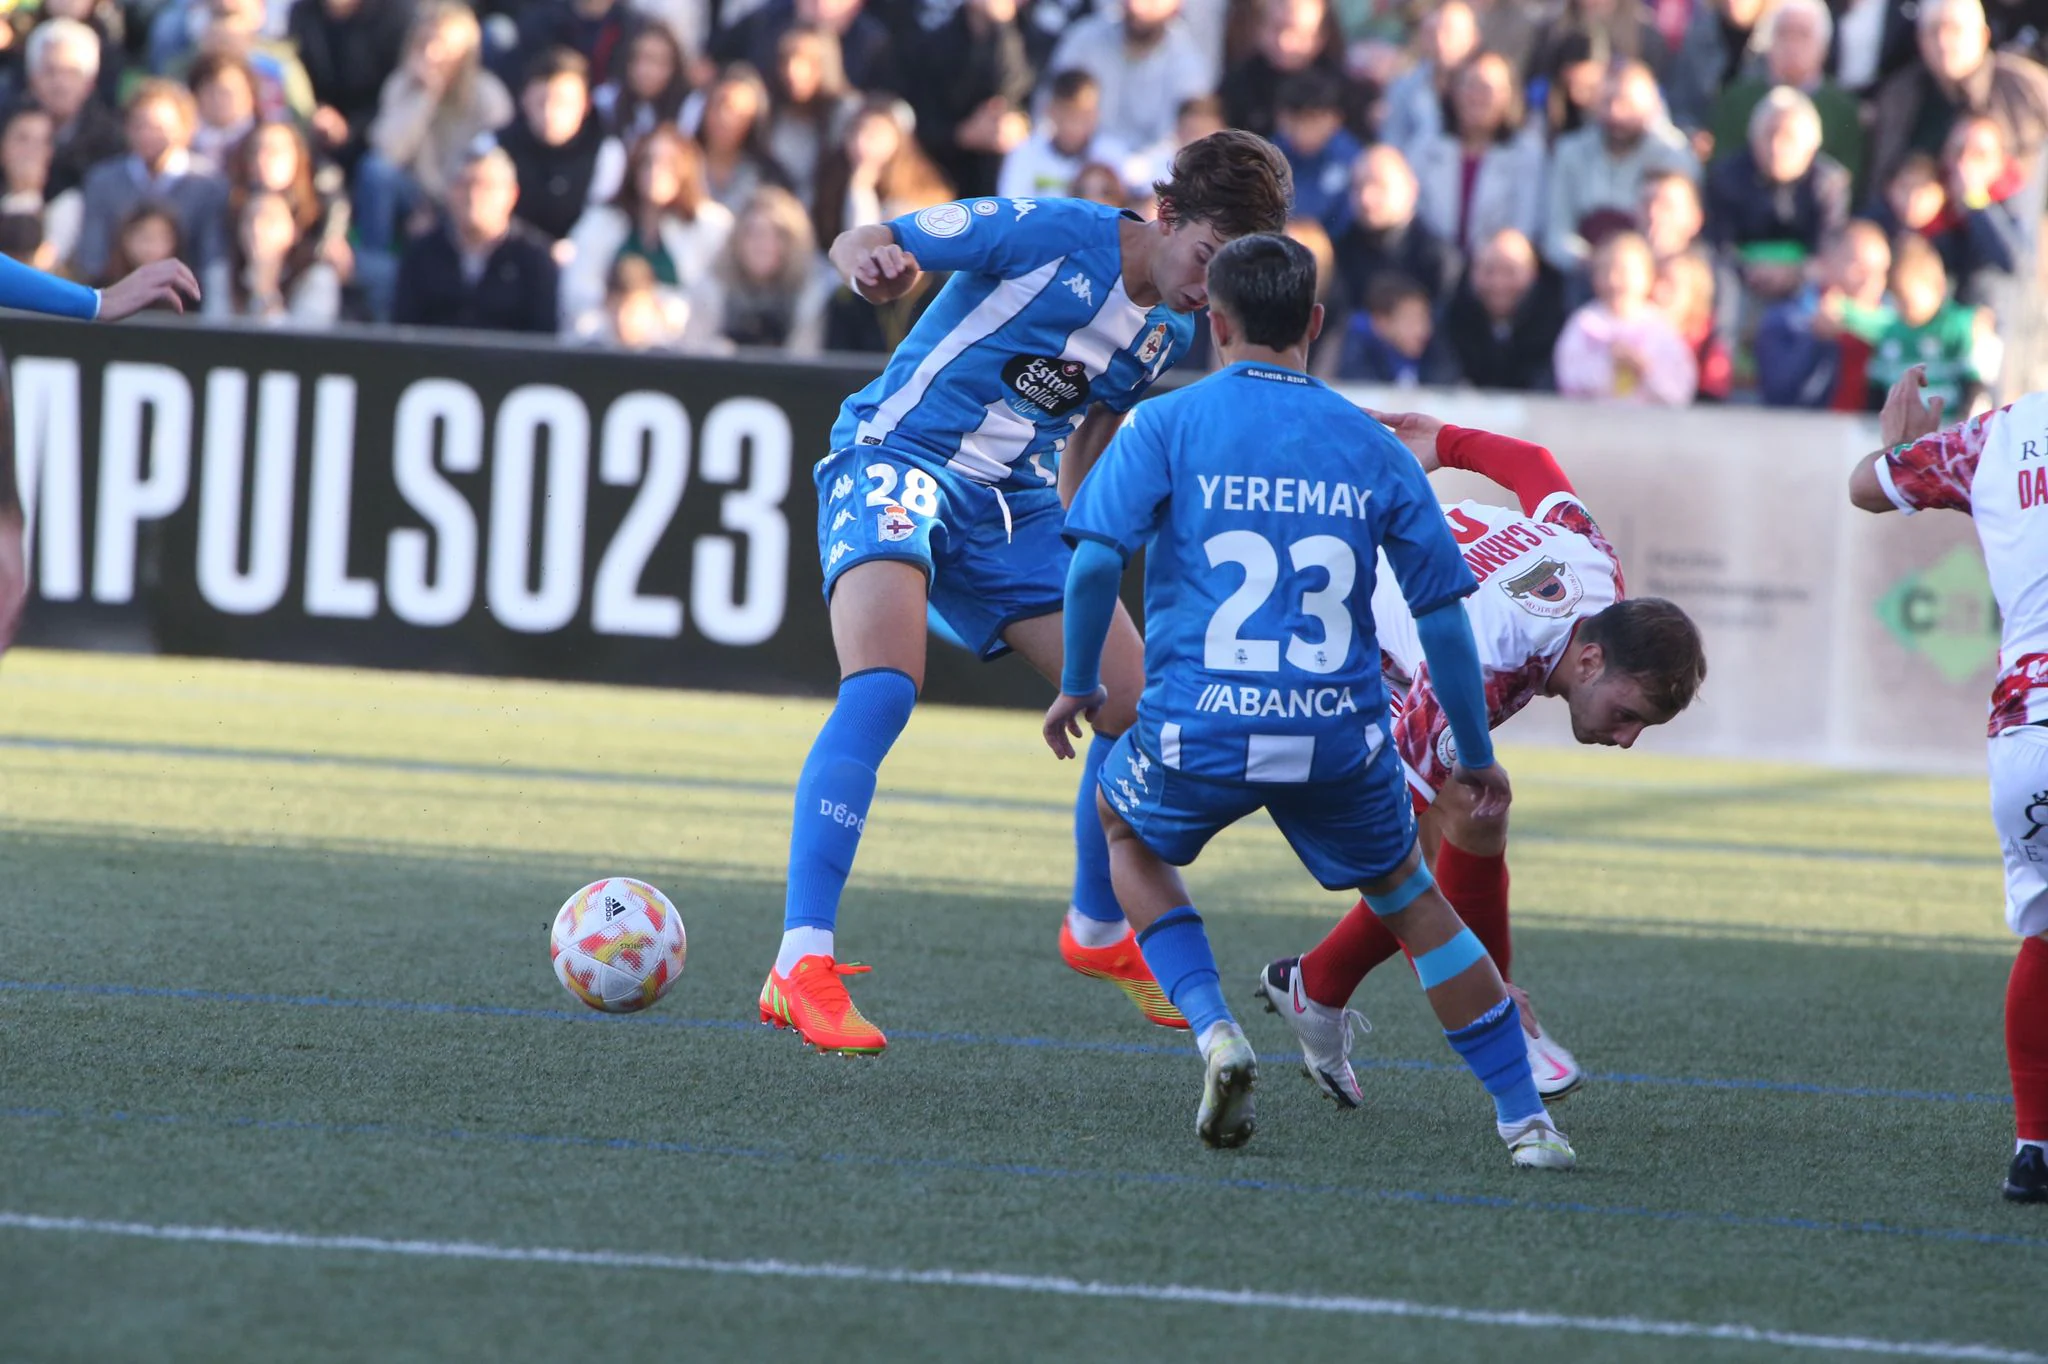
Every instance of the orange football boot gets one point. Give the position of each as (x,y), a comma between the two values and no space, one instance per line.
(1123,965)
(812,1000)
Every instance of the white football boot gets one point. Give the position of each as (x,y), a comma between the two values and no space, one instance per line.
(1230,1069)
(1323,1032)
(1558,1073)
(1537,1145)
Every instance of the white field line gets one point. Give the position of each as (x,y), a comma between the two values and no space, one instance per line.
(1023,1283)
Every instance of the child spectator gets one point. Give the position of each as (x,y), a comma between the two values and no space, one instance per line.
(1504,322)
(21,239)
(1068,138)
(553,143)
(1770,205)
(1806,355)
(272,273)
(1685,291)
(1620,346)
(813,102)
(1924,326)
(663,212)
(766,288)
(1914,198)
(27,146)
(1393,340)
(481,268)
(147,233)
(1982,233)
(638,313)
(349,48)
(158,167)
(1486,171)
(733,133)
(224,90)
(1310,132)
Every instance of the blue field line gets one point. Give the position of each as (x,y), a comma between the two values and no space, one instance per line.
(942,799)
(1033,1171)
(966,1039)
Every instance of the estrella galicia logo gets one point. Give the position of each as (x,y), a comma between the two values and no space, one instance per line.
(1046,386)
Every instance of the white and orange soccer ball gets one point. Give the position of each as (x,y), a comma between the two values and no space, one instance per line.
(618,945)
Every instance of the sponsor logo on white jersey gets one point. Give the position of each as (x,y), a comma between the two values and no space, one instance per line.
(1220,698)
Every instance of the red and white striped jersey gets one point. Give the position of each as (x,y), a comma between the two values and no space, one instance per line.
(1995,467)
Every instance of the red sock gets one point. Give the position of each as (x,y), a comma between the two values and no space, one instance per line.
(1477,888)
(1331,970)
(2026,1038)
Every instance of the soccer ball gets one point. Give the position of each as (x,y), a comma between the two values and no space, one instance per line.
(618,945)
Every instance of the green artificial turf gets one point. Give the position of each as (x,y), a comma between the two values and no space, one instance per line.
(275,958)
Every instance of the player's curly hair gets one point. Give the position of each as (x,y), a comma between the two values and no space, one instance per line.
(1235,181)
(1654,642)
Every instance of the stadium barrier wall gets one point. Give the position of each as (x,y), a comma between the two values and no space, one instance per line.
(499,507)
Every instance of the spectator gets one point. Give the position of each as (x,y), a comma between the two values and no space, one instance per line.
(1486,173)
(1685,291)
(664,212)
(1294,35)
(1393,340)
(1572,95)
(275,159)
(649,88)
(864,43)
(733,134)
(237,27)
(224,90)
(600,30)
(1806,353)
(1707,58)
(26,150)
(1194,120)
(1414,104)
(158,168)
(638,313)
(21,239)
(812,101)
(1671,214)
(1601,169)
(1982,232)
(1145,61)
(1620,346)
(1873,40)
(766,288)
(1924,326)
(970,108)
(1327,346)
(554,141)
(273,272)
(349,48)
(431,112)
(1066,139)
(877,172)
(1796,35)
(146,233)
(63,58)
(1914,109)
(1601,33)
(1385,235)
(1915,197)
(1503,325)
(480,268)
(108,21)
(1770,206)
(1318,148)
(1099,183)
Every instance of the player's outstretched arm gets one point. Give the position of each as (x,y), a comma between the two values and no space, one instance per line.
(1093,577)
(1906,417)
(1453,655)
(166,282)
(1526,469)
(872,264)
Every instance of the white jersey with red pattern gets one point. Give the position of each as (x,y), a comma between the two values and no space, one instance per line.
(1539,575)
(1995,467)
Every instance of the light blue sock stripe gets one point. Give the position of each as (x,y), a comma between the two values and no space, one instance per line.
(1403,895)
(1447,961)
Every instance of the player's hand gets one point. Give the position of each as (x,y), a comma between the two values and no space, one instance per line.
(166,281)
(1907,416)
(884,274)
(1063,719)
(1416,430)
(1491,793)
(13,577)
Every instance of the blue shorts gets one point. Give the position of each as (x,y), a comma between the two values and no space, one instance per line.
(990,558)
(1347,832)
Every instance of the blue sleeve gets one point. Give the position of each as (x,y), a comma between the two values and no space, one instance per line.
(1123,500)
(1092,581)
(1425,558)
(1002,237)
(1454,673)
(32,291)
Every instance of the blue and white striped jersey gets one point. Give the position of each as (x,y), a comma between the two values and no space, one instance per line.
(1033,328)
(1265,497)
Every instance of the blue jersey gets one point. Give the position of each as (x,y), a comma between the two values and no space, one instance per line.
(1265,497)
(1033,328)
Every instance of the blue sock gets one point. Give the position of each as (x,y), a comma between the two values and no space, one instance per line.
(1494,1048)
(836,788)
(1094,895)
(1177,950)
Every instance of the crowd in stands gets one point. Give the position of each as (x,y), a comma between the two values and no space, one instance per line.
(1662,201)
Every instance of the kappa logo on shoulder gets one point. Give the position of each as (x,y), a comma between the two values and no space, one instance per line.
(841,487)
(1020,207)
(840,549)
(1083,290)
(1551,589)
(845,518)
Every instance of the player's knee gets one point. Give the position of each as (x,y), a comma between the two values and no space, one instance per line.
(1114,826)
(1458,823)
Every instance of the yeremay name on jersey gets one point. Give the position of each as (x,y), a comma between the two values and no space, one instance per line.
(1282,496)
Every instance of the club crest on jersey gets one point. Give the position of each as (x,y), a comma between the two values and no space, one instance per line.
(1549,589)
(943,220)
(1155,342)
(894,524)
(1045,385)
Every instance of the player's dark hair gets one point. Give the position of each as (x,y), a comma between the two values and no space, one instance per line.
(1072,83)
(1311,91)
(1266,284)
(1654,642)
(1235,181)
(1390,289)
